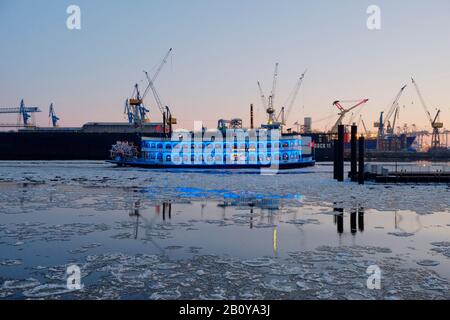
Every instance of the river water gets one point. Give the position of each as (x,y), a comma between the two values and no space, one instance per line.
(146,234)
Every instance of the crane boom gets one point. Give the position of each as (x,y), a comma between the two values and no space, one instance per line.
(394,105)
(344,112)
(361,121)
(294,95)
(155,93)
(274,86)
(422,101)
(158,71)
(263,97)
(435,124)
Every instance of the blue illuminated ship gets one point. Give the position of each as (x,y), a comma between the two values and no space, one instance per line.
(227,147)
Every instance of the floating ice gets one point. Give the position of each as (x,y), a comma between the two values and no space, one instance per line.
(166,295)
(20,284)
(46,290)
(259,262)
(428,263)
(11,262)
(401,234)
(167,266)
(279,285)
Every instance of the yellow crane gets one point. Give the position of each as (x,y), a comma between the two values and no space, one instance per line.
(435,123)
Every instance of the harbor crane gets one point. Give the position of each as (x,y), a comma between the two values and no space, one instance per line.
(52,115)
(268,104)
(343,111)
(24,114)
(435,124)
(393,111)
(361,121)
(165,111)
(134,107)
(293,97)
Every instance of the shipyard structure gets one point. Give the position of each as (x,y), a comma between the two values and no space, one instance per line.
(93,141)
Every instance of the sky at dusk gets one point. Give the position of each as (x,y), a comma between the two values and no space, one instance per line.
(220,50)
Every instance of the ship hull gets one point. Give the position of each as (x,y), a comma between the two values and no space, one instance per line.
(281,166)
(80,145)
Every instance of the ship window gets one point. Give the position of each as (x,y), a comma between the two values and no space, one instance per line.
(168,157)
(286,145)
(152,156)
(160,146)
(168,146)
(285,156)
(153,145)
(159,156)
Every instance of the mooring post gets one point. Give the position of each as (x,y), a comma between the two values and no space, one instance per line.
(335,158)
(353,222)
(353,156)
(361,160)
(361,219)
(340,158)
(340,220)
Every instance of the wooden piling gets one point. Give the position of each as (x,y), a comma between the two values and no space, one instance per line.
(340,155)
(361,160)
(353,154)
(335,158)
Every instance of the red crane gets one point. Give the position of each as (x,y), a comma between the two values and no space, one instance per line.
(343,111)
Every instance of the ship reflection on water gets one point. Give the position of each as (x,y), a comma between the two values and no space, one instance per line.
(267,208)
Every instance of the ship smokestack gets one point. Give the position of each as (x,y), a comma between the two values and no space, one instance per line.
(251,116)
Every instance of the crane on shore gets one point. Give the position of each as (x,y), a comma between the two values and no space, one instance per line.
(293,97)
(361,121)
(268,104)
(134,107)
(271,101)
(52,115)
(434,121)
(24,114)
(343,111)
(384,125)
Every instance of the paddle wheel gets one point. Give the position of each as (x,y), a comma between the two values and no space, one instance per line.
(123,150)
